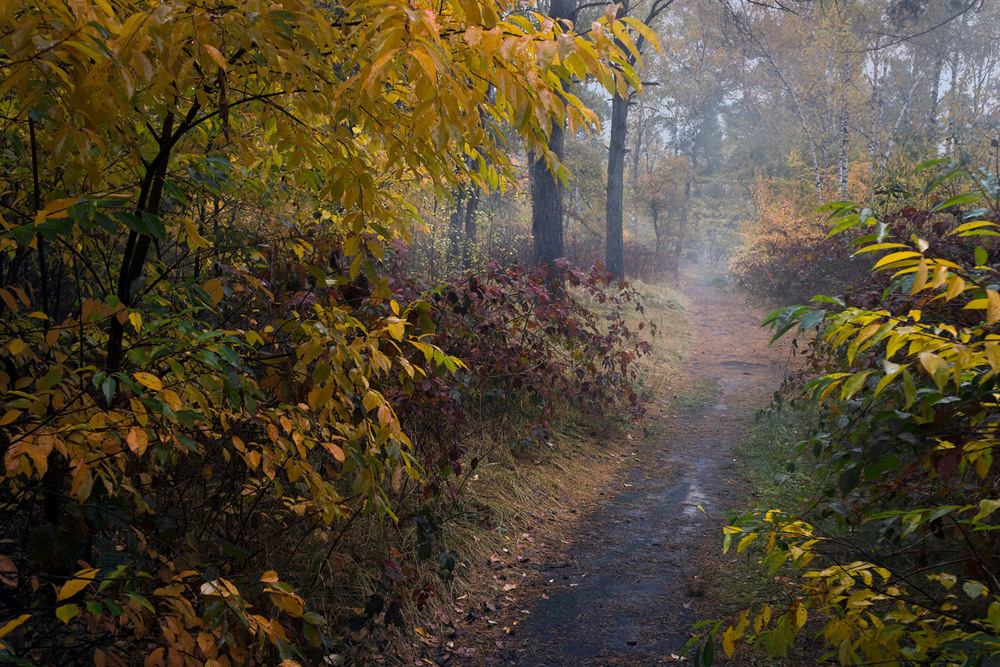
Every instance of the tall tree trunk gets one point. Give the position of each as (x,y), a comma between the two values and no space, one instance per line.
(932,135)
(844,141)
(547,204)
(546,189)
(875,114)
(614,244)
(471,208)
(137,245)
(683,222)
(661,238)
(455,223)
(901,116)
(952,107)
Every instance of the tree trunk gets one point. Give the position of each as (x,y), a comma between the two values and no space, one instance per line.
(455,223)
(661,239)
(470,228)
(137,246)
(844,142)
(546,189)
(876,114)
(615,244)
(953,96)
(547,205)
(683,222)
(935,90)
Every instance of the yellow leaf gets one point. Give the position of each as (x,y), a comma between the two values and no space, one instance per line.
(12,415)
(55,209)
(745,542)
(897,257)
(930,362)
(800,615)
(8,299)
(16,346)
(955,287)
(291,605)
(206,642)
(105,7)
(215,55)
(214,290)
(79,581)
(13,625)
(269,577)
(993,311)
(728,641)
(149,380)
(370,401)
(920,281)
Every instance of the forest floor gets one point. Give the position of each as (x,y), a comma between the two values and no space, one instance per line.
(632,570)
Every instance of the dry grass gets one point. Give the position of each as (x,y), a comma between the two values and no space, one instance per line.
(520,505)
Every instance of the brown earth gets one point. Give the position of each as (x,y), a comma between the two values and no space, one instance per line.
(622,581)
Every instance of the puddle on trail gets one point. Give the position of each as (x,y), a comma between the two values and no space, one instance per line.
(695,495)
(626,598)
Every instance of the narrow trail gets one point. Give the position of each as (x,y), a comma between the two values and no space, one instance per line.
(625,593)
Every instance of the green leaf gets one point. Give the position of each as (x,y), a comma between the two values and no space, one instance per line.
(909,388)
(67,612)
(853,384)
(973,589)
(848,480)
(813,319)
(828,299)
(845,223)
(108,389)
(146,224)
(981,256)
(926,164)
(50,379)
(956,200)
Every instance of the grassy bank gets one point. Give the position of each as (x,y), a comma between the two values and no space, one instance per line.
(519,504)
(772,474)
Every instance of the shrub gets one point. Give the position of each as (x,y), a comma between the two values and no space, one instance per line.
(898,561)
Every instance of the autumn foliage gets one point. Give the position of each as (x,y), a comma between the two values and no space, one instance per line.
(787,254)
(895,557)
(206,370)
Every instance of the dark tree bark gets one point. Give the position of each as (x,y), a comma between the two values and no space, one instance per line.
(615,245)
(137,246)
(546,189)
(547,204)
(614,255)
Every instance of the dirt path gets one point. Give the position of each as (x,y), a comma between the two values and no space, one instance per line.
(625,591)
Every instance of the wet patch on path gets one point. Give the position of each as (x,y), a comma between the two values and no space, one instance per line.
(626,592)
